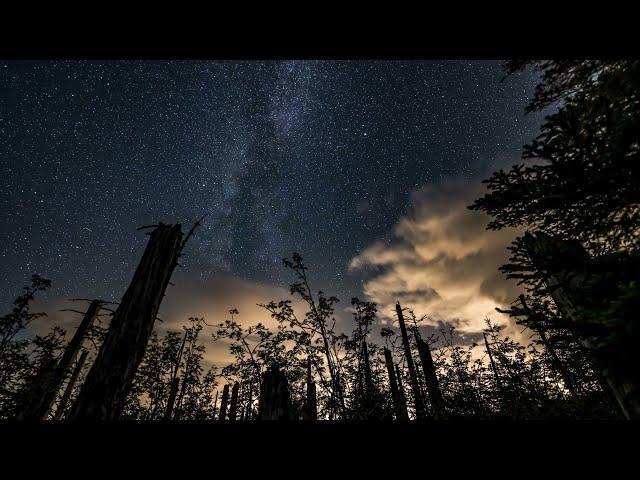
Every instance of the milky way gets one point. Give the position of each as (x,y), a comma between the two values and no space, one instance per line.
(314,157)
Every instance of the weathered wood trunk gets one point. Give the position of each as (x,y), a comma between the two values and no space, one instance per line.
(400,408)
(402,396)
(42,393)
(415,387)
(275,402)
(71,385)
(493,365)
(176,401)
(248,406)
(503,399)
(311,403)
(104,393)
(431,379)
(233,407)
(565,265)
(368,377)
(223,403)
(171,401)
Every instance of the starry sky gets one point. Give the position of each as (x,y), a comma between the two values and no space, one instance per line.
(320,157)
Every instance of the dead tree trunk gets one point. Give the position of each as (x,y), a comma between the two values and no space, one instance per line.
(565,265)
(233,407)
(431,379)
(274,395)
(249,412)
(42,393)
(176,401)
(499,386)
(311,404)
(399,406)
(402,396)
(223,403)
(368,377)
(171,401)
(71,385)
(104,393)
(415,387)
(493,365)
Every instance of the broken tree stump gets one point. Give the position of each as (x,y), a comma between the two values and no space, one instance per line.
(42,392)
(233,406)
(275,402)
(103,394)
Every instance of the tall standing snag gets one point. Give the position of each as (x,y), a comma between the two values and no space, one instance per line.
(109,380)
(399,406)
(171,402)
(431,379)
(401,394)
(415,387)
(42,392)
(71,385)
(311,404)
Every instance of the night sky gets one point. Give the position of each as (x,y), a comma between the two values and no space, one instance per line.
(317,157)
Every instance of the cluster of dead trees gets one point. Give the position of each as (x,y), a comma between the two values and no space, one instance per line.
(304,369)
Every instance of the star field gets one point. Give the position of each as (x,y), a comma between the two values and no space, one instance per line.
(315,157)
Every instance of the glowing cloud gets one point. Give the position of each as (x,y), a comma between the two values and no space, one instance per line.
(441,261)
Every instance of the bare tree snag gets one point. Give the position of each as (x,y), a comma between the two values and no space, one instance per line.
(431,379)
(171,401)
(565,266)
(274,395)
(402,396)
(103,394)
(311,405)
(399,407)
(415,387)
(368,377)
(43,391)
(70,385)
(223,403)
(233,407)
(493,365)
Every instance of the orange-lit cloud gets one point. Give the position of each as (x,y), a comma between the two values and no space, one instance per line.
(210,299)
(441,261)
